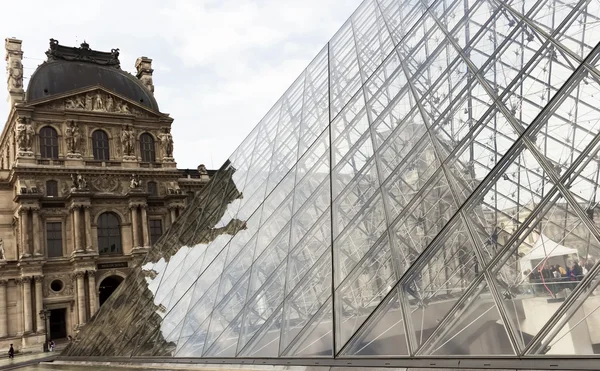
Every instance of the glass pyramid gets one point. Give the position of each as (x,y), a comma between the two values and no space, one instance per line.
(412,194)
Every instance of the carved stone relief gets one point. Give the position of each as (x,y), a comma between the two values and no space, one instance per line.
(106,183)
(67,289)
(97,101)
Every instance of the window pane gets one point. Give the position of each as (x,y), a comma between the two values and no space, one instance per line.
(100,146)
(152,188)
(147,148)
(48,143)
(52,188)
(155,230)
(109,234)
(54,239)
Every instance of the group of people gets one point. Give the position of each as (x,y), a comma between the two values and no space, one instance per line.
(557,276)
(51,347)
(575,272)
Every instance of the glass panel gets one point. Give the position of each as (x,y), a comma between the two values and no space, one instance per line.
(383,334)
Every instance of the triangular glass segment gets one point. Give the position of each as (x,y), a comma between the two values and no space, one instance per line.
(383,334)
(576,331)
(472,328)
(451,267)
(428,186)
(316,338)
(544,266)
(265,340)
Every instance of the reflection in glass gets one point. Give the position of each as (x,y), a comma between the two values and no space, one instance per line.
(428,186)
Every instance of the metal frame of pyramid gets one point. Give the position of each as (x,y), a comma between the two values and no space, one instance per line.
(378,213)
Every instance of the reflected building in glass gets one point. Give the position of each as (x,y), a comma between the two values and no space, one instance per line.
(426,187)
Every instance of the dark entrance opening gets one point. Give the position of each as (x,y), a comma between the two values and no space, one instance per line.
(58,323)
(108,286)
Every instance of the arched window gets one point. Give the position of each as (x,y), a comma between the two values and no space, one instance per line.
(147,148)
(52,188)
(48,142)
(152,188)
(109,234)
(100,145)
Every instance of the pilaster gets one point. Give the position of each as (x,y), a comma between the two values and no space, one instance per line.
(3,309)
(93,292)
(27,312)
(39,298)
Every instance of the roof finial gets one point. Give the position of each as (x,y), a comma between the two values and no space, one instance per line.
(85,45)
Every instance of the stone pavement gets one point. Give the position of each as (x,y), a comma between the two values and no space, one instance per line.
(21,360)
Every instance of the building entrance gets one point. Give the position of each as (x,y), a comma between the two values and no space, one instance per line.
(108,286)
(58,324)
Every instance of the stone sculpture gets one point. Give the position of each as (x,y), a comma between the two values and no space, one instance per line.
(79,182)
(73,137)
(25,134)
(166,142)
(128,141)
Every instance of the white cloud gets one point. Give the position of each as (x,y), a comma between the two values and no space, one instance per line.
(219,65)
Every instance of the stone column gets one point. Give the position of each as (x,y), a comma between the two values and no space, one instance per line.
(93,293)
(80,297)
(88,228)
(39,305)
(145,227)
(77,228)
(3,309)
(19,283)
(135,226)
(27,315)
(37,233)
(26,252)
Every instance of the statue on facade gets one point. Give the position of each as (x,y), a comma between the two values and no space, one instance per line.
(202,169)
(109,103)
(166,142)
(128,141)
(89,99)
(135,182)
(25,134)
(73,137)
(2,254)
(79,182)
(15,74)
(98,102)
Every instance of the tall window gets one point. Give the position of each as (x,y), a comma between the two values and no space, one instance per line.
(152,188)
(100,145)
(147,148)
(155,230)
(54,239)
(52,188)
(48,142)
(109,234)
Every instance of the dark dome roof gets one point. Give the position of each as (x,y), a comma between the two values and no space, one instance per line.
(69,69)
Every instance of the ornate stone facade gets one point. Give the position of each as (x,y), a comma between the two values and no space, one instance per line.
(87,183)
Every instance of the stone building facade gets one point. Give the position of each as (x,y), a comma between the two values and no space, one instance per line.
(88,183)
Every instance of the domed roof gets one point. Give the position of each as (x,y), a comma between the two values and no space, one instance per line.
(69,69)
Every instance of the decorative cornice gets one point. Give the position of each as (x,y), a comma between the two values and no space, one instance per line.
(83,54)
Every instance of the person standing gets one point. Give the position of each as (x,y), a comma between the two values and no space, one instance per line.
(11,352)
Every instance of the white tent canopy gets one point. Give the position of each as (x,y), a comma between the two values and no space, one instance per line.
(544,247)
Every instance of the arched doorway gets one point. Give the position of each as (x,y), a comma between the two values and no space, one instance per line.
(108,286)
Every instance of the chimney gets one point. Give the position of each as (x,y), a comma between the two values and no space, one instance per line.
(143,65)
(14,70)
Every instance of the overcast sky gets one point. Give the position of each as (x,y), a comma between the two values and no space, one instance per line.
(219,65)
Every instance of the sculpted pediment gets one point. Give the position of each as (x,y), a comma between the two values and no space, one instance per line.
(96,100)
